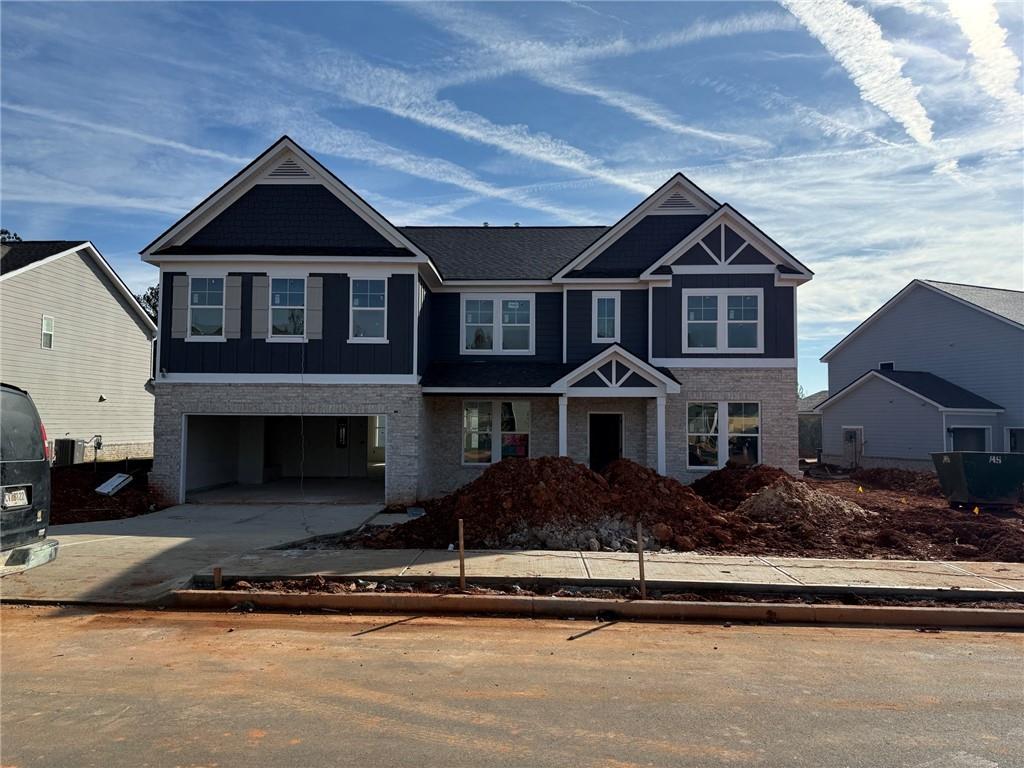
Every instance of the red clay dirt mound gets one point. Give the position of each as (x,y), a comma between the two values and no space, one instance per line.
(74,499)
(729,487)
(892,479)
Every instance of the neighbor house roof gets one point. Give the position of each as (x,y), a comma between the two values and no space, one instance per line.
(936,390)
(21,253)
(999,301)
(501,253)
(1004,304)
(809,403)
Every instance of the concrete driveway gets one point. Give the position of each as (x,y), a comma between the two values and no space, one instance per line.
(141,559)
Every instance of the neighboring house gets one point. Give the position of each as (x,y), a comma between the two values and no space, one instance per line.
(940,366)
(73,335)
(668,338)
(810,423)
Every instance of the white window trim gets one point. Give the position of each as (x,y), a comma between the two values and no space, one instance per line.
(351,309)
(723,433)
(42,333)
(617,297)
(722,323)
(887,362)
(986,427)
(1006,436)
(223,303)
(496,336)
(270,308)
(495,421)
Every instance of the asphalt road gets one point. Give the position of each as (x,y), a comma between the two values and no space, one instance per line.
(149,688)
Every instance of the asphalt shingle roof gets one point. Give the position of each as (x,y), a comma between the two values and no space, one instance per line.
(999,301)
(809,403)
(20,254)
(493,374)
(938,390)
(501,253)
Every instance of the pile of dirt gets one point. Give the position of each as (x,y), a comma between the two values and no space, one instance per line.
(892,479)
(74,499)
(729,487)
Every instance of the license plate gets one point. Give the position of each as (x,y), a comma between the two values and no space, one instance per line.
(16,497)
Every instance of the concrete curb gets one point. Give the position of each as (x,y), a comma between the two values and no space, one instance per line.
(564,607)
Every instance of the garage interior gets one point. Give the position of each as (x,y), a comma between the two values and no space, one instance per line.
(285,459)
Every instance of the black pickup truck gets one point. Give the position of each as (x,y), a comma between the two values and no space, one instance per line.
(24,482)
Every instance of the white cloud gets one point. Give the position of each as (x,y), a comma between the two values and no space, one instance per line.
(996,67)
(856,42)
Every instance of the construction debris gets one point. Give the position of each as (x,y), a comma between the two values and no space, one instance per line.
(555,503)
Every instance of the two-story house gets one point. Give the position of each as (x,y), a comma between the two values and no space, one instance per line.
(302,335)
(938,367)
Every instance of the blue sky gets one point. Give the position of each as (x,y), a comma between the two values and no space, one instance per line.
(878,140)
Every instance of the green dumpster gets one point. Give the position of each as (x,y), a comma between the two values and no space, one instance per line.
(981,478)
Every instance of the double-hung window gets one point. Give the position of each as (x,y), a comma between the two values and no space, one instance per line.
(206,308)
(604,312)
(287,307)
(369,313)
(46,340)
(723,320)
(713,442)
(479,418)
(497,324)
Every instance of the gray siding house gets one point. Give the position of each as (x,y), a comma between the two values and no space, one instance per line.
(308,344)
(73,335)
(940,366)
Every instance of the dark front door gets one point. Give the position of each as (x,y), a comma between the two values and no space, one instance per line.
(605,439)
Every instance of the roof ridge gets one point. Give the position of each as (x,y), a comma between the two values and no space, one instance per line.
(503,226)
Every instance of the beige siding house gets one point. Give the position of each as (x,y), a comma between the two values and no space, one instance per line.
(73,335)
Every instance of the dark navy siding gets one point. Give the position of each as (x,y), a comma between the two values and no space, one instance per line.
(423,330)
(445,319)
(646,242)
(667,315)
(633,315)
(332,354)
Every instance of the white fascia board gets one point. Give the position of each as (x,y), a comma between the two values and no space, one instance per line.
(489,391)
(972,410)
(286,378)
(612,392)
(724,362)
(856,384)
(613,352)
(729,215)
(626,223)
(293,263)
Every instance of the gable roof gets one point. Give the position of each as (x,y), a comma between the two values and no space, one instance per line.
(940,392)
(809,403)
(501,253)
(786,263)
(19,254)
(33,253)
(1000,303)
(283,163)
(668,195)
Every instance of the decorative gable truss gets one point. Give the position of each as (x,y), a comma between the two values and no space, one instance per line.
(728,242)
(615,373)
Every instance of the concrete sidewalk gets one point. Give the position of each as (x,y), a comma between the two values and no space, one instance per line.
(664,570)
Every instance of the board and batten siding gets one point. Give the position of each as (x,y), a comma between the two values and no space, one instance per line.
(100,347)
(579,325)
(777,315)
(928,331)
(446,319)
(331,354)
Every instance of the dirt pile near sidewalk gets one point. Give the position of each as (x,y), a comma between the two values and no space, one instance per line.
(74,499)
(906,480)
(729,487)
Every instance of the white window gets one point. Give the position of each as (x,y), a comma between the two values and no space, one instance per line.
(476,432)
(713,442)
(497,324)
(744,434)
(723,320)
(47,332)
(1015,440)
(368,313)
(287,307)
(702,435)
(478,419)
(206,308)
(604,314)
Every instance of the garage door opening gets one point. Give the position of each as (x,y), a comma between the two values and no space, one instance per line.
(285,459)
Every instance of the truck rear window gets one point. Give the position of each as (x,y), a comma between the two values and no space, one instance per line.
(20,436)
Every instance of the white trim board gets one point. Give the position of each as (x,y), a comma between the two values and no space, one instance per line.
(724,362)
(875,374)
(615,352)
(286,378)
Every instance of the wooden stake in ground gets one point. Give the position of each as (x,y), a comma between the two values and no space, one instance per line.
(462,558)
(218,578)
(640,554)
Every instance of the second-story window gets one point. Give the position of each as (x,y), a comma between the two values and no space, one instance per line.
(605,317)
(701,322)
(723,320)
(47,333)
(287,307)
(206,308)
(497,324)
(369,314)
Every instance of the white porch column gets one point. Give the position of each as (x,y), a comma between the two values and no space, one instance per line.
(563,425)
(661,435)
